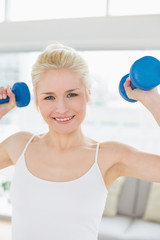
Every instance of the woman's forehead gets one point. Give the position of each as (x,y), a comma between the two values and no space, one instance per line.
(65,80)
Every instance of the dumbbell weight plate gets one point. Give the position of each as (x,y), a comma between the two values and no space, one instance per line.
(122,90)
(22,94)
(145,73)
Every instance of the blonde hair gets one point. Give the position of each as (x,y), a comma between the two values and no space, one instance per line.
(57,56)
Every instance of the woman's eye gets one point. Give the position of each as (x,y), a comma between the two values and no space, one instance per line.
(49,98)
(72,95)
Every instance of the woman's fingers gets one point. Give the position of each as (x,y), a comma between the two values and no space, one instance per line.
(129,91)
(11,96)
(3,93)
(7,92)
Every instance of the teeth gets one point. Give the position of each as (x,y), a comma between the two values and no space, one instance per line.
(63,119)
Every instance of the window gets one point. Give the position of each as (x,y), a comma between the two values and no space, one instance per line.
(21,10)
(49,9)
(2,10)
(133,7)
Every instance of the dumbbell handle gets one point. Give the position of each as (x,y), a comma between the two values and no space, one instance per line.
(4,100)
(22,94)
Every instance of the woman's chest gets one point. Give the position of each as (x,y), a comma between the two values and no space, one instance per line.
(59,167)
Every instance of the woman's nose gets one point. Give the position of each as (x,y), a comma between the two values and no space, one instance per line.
(61,107)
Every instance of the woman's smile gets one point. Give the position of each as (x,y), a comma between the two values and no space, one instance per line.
(64,120)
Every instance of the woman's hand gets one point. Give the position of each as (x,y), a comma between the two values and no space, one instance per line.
(137,94)
(6,107)
(150,99)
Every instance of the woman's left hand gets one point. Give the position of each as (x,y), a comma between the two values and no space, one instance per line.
(137,94)
(150,99)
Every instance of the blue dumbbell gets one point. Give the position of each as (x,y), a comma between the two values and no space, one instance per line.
(144,74)
(22,94)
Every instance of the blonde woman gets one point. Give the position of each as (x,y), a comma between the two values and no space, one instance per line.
(62,178)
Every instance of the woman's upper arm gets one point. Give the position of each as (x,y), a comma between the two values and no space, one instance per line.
(127,161)
(5,160)
(11,148)
(139,164)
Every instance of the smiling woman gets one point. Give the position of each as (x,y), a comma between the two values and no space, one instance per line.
(61,98)
(62,177)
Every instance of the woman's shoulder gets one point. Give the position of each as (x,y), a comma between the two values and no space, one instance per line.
(18,138)
(113,149)
(112,145)
(15,144)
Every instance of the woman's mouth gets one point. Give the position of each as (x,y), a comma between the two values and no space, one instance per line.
(64,119)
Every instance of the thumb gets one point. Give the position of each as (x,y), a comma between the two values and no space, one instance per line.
(11,95)
(131,93)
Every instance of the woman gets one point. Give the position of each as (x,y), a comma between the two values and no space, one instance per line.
(62,178)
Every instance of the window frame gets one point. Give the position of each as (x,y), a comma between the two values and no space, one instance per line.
(98,33)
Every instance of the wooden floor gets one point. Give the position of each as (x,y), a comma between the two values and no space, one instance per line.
(5,230)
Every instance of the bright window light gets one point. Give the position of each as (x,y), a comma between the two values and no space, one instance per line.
(2,10)
(39,9)
(133,7)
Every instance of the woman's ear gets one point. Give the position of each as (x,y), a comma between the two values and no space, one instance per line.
(88,95)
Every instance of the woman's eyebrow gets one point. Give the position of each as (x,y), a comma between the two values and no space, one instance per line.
(71,90)
(47,93)
(51,93)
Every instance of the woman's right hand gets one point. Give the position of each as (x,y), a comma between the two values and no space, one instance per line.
(6,107)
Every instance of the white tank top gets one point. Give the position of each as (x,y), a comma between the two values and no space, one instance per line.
(46,210)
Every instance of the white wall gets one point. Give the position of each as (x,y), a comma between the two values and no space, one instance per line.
(125,32)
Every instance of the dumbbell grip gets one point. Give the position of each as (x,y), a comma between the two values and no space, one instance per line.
(132,86)
(6,100)
(22,94)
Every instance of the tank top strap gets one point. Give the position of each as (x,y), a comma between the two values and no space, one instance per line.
(97,150)
(28,143)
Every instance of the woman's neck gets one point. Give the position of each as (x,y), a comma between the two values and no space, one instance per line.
(65,141)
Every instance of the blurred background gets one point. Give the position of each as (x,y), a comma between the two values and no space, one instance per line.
(110,35)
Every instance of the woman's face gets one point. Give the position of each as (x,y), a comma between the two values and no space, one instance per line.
(62,100)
